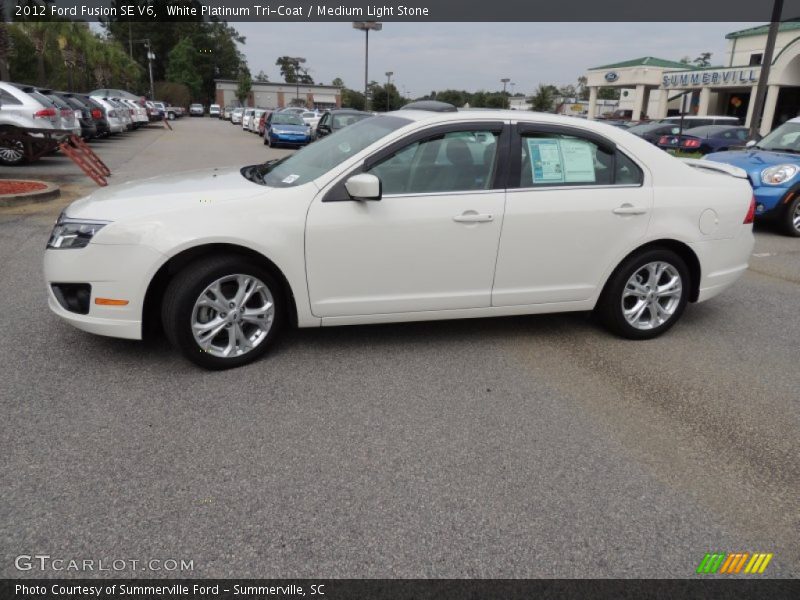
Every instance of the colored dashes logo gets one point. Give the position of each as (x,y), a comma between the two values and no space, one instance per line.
(734,563)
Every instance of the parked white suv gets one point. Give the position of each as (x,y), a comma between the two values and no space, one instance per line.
(20,110)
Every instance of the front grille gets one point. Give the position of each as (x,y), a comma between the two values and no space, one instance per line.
(73,297)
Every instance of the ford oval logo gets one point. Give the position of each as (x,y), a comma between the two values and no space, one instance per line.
(611,77)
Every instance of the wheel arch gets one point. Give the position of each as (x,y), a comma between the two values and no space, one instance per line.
(681,249)
(151,310)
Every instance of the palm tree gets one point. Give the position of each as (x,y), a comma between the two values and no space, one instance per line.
(40,33)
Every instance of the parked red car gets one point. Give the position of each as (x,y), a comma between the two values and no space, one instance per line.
(262,122)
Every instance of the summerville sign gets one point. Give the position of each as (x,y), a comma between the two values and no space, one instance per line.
(722,77)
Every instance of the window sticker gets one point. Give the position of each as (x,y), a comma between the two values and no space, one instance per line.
(578,161)
(546,163)
(561,160)
(290,178)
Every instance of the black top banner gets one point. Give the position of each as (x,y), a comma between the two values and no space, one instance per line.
(399,589)
(402,10)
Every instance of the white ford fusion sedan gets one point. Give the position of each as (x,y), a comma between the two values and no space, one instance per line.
(406,216)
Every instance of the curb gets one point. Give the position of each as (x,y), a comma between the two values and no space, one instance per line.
(49,193)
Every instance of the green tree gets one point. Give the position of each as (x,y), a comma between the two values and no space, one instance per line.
(5,51)
(244,84)
(181,67)
(352,99)
(338,82)
(544,98)
(704,60)
(292,71)
(261,77)
(380,94)
(582,89)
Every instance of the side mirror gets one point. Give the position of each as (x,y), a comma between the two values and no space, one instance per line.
(750,144)
(364,186)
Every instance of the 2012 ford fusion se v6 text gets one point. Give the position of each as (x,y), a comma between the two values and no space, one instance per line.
(405,216)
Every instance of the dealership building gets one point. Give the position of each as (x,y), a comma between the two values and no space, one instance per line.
(649,83)
(279,95)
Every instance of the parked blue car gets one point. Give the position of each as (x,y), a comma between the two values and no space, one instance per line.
(773,166)
(286,128)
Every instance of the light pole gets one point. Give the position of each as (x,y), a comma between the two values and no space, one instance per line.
(297,60)
(150,58)
(388,97)
(505,81)
(365,26)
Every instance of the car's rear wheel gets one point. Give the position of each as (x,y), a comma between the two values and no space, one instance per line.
(646,295)
(791,218)
(223,312)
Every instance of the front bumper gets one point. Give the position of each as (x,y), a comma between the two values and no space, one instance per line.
(288,138)
(99,266)
(770,199)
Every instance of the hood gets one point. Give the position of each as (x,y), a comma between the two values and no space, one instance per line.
(166,193)
(753,160)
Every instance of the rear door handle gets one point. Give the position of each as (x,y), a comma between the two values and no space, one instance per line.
(472,217)
(629,209)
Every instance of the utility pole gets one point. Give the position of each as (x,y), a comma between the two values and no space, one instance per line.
(766,63)
(505,81)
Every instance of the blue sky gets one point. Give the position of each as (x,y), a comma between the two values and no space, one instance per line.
(472,56)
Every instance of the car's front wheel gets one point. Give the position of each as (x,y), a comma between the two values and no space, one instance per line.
(791,218)
(646,295)
(12,152)
(222,312)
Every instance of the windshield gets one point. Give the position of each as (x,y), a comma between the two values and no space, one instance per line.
(286,119)
(323,155)
(785,138)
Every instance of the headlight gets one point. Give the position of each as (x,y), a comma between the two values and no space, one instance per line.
(778,174)
(69,234)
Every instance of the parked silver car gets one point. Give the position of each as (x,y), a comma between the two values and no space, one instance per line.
(116,120)
(22,107)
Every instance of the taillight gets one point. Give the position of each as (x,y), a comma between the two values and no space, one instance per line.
(751,212)
(67,113)
(45,113)
(691,143)
(97,114)
(664,140)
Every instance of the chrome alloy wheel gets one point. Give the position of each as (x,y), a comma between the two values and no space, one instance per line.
(233,315)
(796,217)
(12,152)
(652,295)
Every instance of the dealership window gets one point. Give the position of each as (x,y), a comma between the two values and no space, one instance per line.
(454,162)
(564,160)
(755,59)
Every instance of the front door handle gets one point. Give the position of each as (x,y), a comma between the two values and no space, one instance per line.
(629,209)
(473,217)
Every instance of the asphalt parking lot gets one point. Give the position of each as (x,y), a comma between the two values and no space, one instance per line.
(516,447)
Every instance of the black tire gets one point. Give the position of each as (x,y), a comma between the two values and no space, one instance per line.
(790,214)
(185,289)
(12,153)
(609,308)
(171,116)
